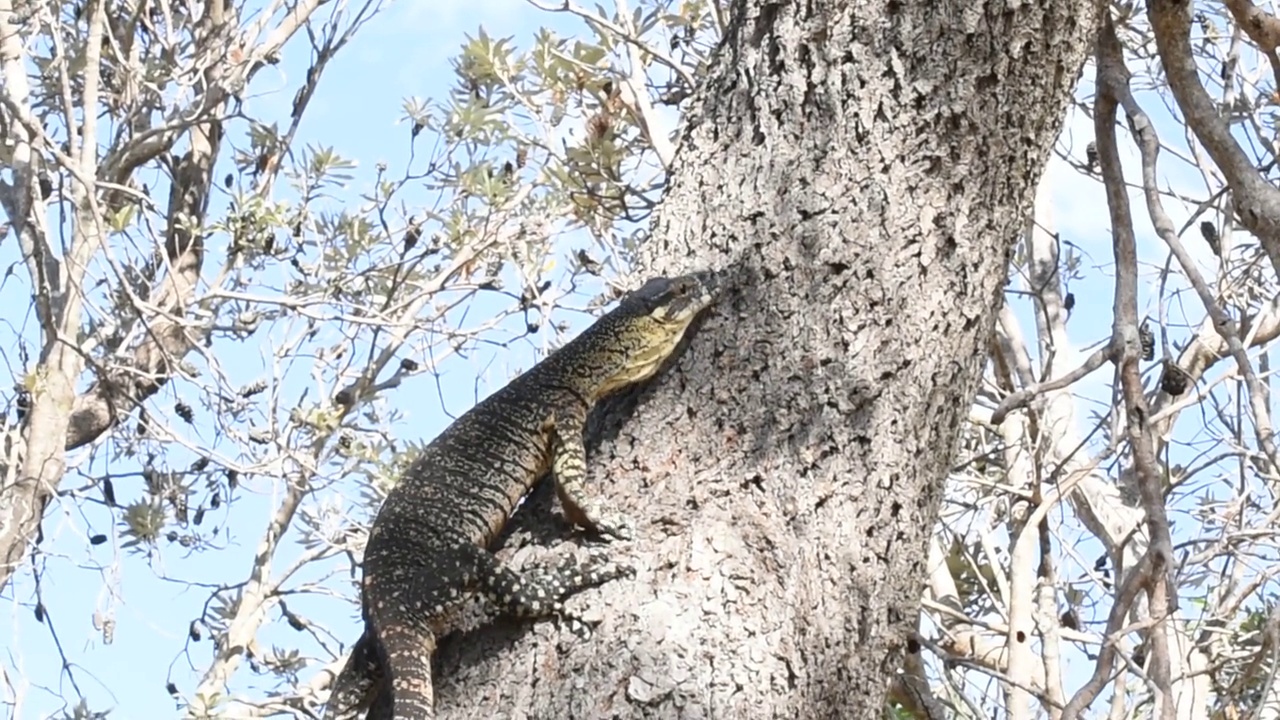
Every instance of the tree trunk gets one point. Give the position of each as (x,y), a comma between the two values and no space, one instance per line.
(865,167)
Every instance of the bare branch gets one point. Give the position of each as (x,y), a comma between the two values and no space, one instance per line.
(638,99)
(1257,201)
(1162,588)
(1222,322)
(1138,578)
(1021,398)
(596,20)
(1262,28)
(256,597)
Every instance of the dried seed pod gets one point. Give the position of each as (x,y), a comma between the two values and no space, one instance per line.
(1210,234)
(1174,379)
(1091,155)
(1148,340)
(22,403)
(1069,619)
(295,622)
(599,126)
(412,235)
(588,263)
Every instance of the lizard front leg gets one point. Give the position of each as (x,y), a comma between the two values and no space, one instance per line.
(569,464)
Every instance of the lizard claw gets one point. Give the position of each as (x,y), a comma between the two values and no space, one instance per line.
(579,627)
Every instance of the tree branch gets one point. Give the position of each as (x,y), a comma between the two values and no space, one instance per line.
(1222,322)
(1019,399)
(1112,81)
(1262,29)
(251,613)
(1257,201)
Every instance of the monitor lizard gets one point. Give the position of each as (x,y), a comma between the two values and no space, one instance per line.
(428,549)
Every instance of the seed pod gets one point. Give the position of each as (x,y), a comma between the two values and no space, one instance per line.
(1148,340)
(1210,234)
(1174,379)
(1091,155)
(1069,620)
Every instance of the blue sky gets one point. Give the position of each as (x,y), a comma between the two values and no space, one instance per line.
(403,52)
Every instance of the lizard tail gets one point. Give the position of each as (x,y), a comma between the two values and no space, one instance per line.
(406,655)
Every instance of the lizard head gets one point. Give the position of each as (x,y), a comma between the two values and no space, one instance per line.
(629,343)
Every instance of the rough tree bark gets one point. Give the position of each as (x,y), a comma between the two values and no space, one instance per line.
(865,167)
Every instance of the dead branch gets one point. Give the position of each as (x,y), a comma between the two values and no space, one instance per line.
(82,418)
(258,592)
